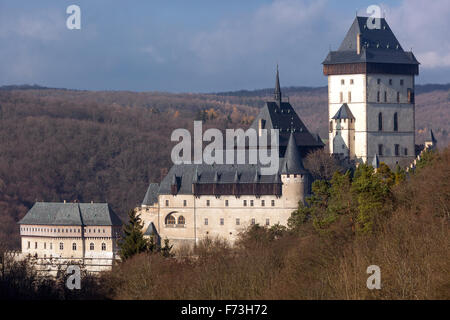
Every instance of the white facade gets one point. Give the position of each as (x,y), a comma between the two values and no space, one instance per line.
(369,96)
(225,216)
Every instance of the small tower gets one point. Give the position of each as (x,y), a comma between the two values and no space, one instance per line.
(430,141)
(295,178)
(277,93)
(342,132)
(376,162)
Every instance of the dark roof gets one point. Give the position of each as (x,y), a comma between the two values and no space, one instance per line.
(377,46)
(376,162)
(151,230)
(151,196)
(292,161)
(71,214)
(344,113)
(430,137)
(286,120)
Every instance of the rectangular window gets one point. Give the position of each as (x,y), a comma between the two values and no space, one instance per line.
(397,150)
(253,221)
(341,96)
(351,81)
(401,82)
(221,221)
(380,149)
(226,203)
(410,95)
(385,96)
(251,203)
(398,96)
(378,81)
(238,221)
(406,151)
(167,203)
(263,203)
(206,221)
(184,203)
(45,245)
(35,245)
(29,245)
(273,203)
(267,222)
(349,96)
(207,203)
(245,203)
(378,96)
(390,82)
(51,246)
(342,81)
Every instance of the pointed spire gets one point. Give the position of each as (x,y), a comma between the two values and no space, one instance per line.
(292,160)
(277,93)
(376,162)
(430,137)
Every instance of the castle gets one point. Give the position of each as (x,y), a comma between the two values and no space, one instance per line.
(197,201)
(371,96)
(371,119)
(56,234)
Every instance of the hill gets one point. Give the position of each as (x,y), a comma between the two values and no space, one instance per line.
(59,144)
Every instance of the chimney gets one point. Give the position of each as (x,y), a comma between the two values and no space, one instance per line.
(358,43)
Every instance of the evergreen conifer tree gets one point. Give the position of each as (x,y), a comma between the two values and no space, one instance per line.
(133,241)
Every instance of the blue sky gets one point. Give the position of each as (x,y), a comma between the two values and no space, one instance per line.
(201,45)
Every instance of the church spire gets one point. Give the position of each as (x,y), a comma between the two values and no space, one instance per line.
(277,93)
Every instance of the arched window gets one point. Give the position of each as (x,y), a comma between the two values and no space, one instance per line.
(181,220)
(74,246)
(395,122)
(103,246)
(380,122)
(91,246)
(170,219)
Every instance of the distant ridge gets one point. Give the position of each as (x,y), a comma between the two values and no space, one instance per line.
(269,91)
(420,88)
(28,87)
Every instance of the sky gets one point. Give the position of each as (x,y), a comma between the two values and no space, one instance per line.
(201,45)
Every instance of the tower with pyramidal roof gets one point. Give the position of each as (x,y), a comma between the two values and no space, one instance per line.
(371,95)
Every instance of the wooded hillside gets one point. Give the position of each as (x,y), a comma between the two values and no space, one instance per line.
(58,144)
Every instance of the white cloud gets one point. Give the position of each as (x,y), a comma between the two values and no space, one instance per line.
(154,54)
(423,26)
(38,25)
(273,29)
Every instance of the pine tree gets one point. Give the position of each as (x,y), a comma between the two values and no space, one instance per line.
(133,241)
(166,250)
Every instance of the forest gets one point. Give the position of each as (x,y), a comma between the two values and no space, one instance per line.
(106,146)
(354,219)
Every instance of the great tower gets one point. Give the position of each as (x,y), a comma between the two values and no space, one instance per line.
(371,105)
